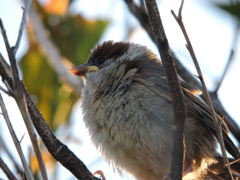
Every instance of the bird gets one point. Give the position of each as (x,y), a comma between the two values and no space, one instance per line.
(127,109)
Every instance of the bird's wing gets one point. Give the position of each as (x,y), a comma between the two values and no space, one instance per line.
(153,74)
(200,109)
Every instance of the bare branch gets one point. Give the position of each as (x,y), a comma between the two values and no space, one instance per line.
(22,26)
(6,72)
(10,91)
(15,140)
(230,59)
(57,149)
(5,91)
(142,16)
(209,102)
(179,107)
(5,65)
(180,10)
(6,170)
(4,147)
(19,97)
(22,138)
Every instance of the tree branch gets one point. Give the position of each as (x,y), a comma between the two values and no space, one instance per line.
(19,170)
(6,170)
(15,140)
(209,102)
(179,107)
(230,59)
(18,96)
(58,150)
(22,26)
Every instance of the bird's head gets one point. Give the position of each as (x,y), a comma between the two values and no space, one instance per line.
(101,56)
(109,56)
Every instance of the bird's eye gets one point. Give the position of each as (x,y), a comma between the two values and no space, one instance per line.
(102,60)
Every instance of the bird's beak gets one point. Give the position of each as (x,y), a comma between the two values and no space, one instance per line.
(83,69)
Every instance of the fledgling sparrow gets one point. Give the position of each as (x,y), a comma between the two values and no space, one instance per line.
(127,109)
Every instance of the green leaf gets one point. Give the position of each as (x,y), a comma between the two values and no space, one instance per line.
(232,8)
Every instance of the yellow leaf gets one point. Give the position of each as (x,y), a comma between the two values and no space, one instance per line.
(47,159)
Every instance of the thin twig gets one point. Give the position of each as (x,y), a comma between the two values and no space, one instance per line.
(19,97)
(6,65)
(180,10)
(5,91)
(22,26)
(6,170)
(15,139)
(22,138)
(10,90)
(214,117)
(233,162)
(18,168)
(179,107)
(230,59)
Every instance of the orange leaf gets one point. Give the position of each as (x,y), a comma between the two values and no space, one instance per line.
(47,159)
(58,7)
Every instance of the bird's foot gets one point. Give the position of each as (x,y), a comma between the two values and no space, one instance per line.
(99,172)
(187,170)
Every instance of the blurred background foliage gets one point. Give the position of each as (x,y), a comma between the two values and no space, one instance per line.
(74,36)
(233,8)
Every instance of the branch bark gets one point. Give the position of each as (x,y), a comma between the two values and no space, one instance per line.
(179,107)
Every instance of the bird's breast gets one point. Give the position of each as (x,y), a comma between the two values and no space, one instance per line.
(131,119)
